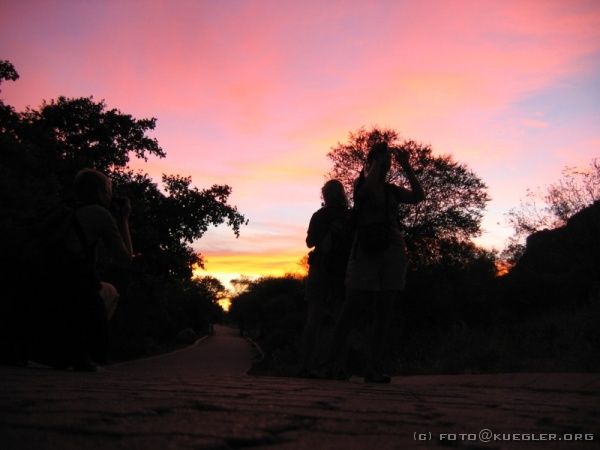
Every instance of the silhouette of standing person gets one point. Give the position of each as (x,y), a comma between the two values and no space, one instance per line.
(325,282)
(99,220)
(377,267)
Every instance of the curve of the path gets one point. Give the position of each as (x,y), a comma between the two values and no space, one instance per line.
(222,354)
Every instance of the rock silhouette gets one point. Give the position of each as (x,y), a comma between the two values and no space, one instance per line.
(562,266)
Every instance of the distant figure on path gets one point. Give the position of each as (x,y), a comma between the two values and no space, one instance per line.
(327,266)
(377,267)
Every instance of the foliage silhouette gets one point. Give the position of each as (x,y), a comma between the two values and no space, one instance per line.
(7,71)
(271,310)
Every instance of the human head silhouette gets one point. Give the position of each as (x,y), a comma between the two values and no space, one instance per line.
(92,186)
(334,194)
(380,152)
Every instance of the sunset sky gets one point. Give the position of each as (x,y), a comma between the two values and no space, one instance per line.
(254,93)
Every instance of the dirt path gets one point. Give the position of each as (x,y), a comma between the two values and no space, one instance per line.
(200,398)
(222,354)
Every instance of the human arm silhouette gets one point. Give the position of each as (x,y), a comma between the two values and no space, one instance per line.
(316,229)
(311,238)
(374,175)
(113,228)
(123,223)
(416,193)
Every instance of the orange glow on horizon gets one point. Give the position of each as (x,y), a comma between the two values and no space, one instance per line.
(228,267)
(225,304)
(503,268)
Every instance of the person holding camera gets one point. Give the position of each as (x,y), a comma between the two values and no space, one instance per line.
(99,220)
(103,217)
(377,266)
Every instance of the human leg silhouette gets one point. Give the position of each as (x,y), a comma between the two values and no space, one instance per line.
(315,316)
(338,347)
(382,309)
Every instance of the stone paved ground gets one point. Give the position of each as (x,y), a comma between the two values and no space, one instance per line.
(199,398)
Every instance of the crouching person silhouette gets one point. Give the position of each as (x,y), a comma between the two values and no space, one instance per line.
(98,219)
(71,329)
(378,262)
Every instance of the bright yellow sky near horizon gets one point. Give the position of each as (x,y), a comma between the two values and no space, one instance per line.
(253,265)
(227,268)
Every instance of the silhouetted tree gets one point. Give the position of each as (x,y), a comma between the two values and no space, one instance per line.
(455,195)
(7,71)
(167,222)
(270,303)
(200,305)
(213,288)
(80,132)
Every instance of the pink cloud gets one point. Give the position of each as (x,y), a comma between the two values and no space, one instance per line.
(534,123)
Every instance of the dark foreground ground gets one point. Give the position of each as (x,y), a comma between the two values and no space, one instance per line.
(200,398)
